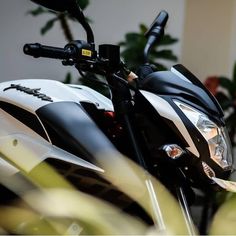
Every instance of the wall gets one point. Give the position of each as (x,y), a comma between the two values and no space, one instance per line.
(232,56)
(112,19)
(209,36)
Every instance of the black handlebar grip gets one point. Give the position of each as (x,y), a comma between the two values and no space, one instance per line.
(37,50)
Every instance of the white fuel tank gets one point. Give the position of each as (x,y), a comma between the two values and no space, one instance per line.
(34,93)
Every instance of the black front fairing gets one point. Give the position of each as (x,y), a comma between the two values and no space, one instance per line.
(181,85)
(185,87)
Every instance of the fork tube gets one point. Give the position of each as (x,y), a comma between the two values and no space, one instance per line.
(185,211)
(123,107)
(157,214)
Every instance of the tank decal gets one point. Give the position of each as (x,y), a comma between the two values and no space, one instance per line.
(34,92)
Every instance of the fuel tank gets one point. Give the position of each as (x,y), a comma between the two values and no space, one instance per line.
(47,121)
(48,116)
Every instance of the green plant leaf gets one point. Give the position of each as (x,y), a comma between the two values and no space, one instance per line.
(167,40)
(132,38)
(48,26)
(83,3)
(134,44)
(231,124)
(143,28)
(234,74)
(63,20)
(224,100)
(122,44)
(37,11)
(228,85)
(68,78)
(231,120)
(159,67)
(164,54)
(133,61)
(91,80)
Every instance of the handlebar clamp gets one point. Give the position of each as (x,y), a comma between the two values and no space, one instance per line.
(81,50)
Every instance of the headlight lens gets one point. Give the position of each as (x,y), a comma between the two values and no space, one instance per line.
(216,137)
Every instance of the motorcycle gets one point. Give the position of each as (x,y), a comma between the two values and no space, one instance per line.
(166,121)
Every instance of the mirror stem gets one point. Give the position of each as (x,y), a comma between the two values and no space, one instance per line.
(79,15)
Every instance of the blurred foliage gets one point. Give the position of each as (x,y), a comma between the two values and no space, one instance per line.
(48,204)
(68,78)
(224,221)
(134,44)
(95,82)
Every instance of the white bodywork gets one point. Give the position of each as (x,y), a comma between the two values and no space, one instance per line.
(54,89)
(20,145)
(167,111)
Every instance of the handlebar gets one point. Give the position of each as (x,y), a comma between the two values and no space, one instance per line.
(37,50)
(80,54)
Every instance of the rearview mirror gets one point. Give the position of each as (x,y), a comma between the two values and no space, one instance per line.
(73,8)
(56,5)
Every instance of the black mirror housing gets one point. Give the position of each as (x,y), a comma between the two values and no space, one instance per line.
(56,5)
(73,8)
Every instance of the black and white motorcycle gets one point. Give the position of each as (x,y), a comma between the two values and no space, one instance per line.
(165,121)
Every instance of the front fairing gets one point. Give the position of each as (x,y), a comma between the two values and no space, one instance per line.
(181,84)
(160,90)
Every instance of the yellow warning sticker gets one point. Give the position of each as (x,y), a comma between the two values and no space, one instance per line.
(86,53)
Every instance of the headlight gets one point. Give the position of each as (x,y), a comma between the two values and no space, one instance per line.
(216,137)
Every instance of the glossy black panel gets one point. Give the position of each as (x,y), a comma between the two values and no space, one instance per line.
(25,117)
(168,83)
(69,127)
(56,5)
